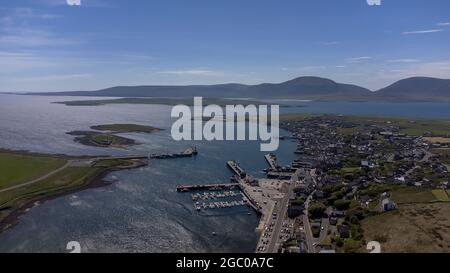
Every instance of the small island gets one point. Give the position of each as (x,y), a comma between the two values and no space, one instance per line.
(160,101)
(126,128)
(96,139)
(105,135)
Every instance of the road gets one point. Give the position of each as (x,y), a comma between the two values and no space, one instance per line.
(306,223)
(425,158)
(427,155)
(281,212)
(324,231)
(69,163)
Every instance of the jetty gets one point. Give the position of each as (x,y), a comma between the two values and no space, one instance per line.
(189,152)
(234,166)
(210,187)
(272,161)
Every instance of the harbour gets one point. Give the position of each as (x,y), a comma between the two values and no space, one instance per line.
(269,198)
(157,217)
(212,187)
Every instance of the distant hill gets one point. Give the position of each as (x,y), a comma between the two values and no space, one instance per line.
(417,88)
(314,88)
(303,87)
(308,87)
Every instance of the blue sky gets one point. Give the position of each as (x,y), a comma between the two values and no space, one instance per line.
(47,45)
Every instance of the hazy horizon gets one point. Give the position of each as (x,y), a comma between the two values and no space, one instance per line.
(47,45)
(226,83)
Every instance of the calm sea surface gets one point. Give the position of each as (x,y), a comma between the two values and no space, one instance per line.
(141,211)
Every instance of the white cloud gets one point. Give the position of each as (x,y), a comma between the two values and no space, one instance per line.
(312,68)
(193,72)
(397,70)
(20,29)
(353,74)
(25,37)
(403,61)
(358,59)
(439,69)
(422,31)
(73,2)
(21,15)
(443,24)
(84,3)
(134,57)
(12,62)
(56,77)
(303,69)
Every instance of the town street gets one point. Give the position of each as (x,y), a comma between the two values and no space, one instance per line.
(281,213)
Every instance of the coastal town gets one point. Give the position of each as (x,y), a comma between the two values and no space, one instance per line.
(346,172)
(354,180)
(356,168)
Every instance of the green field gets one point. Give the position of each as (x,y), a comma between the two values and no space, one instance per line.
(441,195)
(413,195)
(350,170)
(412,127)
(414,228)
(16,168)
(105,139)
(97,139)
(67,179)
(23,168)
(295,117)
(444,154)
(420,224)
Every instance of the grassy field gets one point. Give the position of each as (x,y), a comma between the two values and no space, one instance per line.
(421,127)
(108,140)
(442,140)
(421,223)
(440,195)
(70,178)
(126,128)
(412,127)
(16,168)
(97,139)
(295,117)
(414,228)
(350,170)
(413,195)
(444,154)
